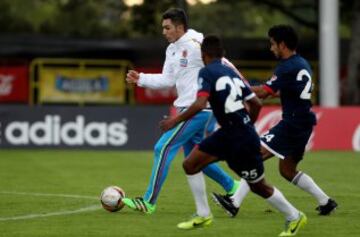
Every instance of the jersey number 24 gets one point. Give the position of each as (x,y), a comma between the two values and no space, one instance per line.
(306,92)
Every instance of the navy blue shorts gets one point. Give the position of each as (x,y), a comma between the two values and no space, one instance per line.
(240,148)
(285,140)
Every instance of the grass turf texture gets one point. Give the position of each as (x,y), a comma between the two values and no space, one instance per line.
(32,174)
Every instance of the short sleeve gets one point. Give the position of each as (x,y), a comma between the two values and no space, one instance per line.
(275,83)
(204,83)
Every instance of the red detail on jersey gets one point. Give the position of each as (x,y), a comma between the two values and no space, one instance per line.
(203,93)
(268,89)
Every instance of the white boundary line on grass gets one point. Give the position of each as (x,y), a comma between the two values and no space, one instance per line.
(49,195)
(59,213)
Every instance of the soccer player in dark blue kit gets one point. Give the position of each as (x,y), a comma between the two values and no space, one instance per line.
(287,139)
(236,141)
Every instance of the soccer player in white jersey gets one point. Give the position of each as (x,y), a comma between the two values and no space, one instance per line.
(181,67)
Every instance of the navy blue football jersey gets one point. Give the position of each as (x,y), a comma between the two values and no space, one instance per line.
(292,77)
(226,92)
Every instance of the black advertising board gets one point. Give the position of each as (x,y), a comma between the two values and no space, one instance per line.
(116,128)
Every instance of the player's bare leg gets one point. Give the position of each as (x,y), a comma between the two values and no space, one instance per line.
(265,154)
(288,169)
(193,165)
(295,219)
(232,203)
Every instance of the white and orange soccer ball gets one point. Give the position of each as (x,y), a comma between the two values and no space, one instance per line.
(111,198)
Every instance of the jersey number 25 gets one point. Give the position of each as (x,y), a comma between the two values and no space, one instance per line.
(232,102)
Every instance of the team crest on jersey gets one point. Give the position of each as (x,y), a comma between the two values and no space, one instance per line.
(184,60)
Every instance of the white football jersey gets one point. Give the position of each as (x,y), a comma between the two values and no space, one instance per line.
(181,68)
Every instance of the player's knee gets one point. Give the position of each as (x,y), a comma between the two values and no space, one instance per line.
(265,154)
(254,188)
(288,174)
(261,189)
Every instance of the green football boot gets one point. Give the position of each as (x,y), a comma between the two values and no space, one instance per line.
(139,204)
(196,222)
(292,227)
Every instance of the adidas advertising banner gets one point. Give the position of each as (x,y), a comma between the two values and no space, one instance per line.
(125,127)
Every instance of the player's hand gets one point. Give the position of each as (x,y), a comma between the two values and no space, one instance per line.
(132,76)
(167,123)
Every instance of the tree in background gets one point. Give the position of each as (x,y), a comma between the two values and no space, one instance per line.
(146,18)
(252,19)
(112,18)
(230,18)
(75,18)
(13,18)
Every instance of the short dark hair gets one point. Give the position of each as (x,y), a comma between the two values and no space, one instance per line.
(286,34)
(177,16)
(212,46)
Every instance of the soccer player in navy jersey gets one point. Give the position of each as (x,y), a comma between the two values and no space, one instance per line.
(287,139)
(236,141)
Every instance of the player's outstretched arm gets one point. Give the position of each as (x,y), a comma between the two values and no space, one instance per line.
(260,91)
(197,106)
(254,106)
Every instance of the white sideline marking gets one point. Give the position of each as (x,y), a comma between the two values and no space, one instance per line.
(49,195)
(59,213)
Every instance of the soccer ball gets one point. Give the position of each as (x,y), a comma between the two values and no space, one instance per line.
(111,198)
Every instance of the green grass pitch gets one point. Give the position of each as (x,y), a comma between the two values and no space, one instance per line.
(55,193)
